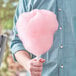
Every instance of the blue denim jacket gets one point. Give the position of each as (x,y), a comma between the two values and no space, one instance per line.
(61,58)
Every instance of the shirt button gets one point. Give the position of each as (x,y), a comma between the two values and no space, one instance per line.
(62,66)
(61,46)
(59,9)
(60,28)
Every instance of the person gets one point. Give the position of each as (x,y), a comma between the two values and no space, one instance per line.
(60,60)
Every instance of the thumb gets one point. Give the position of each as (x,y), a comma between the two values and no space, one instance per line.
(42,60)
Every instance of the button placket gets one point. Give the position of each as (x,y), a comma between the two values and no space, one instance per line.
(61,31)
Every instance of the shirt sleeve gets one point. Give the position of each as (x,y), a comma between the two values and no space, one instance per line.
(16,44)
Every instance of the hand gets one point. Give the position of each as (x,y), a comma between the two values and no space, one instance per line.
(35,66)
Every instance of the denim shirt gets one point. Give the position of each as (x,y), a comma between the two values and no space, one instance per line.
(61,57)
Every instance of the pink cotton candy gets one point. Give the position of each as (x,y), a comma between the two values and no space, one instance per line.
(36,30)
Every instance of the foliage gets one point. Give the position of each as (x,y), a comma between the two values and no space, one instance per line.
(7,9)
(8,66)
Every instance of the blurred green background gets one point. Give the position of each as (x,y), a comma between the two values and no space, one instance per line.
(7,10)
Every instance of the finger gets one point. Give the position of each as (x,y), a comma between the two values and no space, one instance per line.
(36,64)
(35,73)
(36,69)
